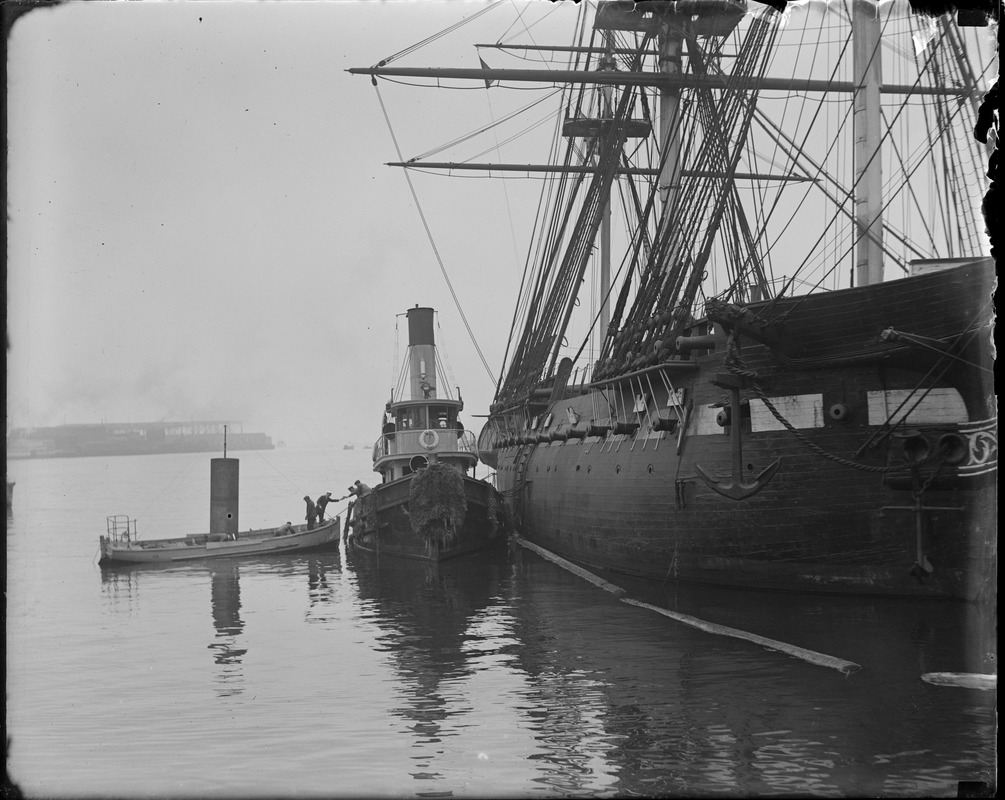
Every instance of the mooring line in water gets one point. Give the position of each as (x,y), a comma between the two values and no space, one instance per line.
(811,656)
(963,680)
(586,575)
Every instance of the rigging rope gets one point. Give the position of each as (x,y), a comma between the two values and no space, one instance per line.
(526,27)
(441,349)
(495,123)
(546,189)
(429,235)
(970,331)
(686,231)
(438,35)
(920,342)
(885,206)
(887,135)
(735,365)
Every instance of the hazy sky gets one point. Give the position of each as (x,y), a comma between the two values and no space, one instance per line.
(201,225)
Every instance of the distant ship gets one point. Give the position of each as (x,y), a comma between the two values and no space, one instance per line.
(347,447)
(130,439)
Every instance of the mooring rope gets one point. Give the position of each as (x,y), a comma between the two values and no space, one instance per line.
(811,656)
(279,472)
(177,476)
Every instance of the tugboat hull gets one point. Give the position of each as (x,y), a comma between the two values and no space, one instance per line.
(384,521)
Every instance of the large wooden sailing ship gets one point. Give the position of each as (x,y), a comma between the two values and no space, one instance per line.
(787,380)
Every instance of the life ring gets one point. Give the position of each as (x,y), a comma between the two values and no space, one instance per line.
(429,439)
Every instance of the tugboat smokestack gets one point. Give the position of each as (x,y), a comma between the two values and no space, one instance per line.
(421,353)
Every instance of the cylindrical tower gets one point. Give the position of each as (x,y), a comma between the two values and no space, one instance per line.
(223,494)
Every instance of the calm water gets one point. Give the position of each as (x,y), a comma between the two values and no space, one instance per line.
(505,676)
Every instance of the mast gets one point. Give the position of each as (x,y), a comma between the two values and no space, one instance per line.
(604,288)
(868,65)
(670,41)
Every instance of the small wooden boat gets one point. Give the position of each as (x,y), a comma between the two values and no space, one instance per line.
(121,545)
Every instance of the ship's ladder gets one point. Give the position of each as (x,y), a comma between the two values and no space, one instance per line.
(522,457)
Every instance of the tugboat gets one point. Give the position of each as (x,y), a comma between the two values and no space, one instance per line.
(428,504)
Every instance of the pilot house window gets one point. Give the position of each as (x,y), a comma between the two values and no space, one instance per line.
(412,418)
(442,417)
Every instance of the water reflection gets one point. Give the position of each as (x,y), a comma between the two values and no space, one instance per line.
(425,612)
(659,708)
(572,690)
(318,589)
(879,633)
(225,598)
(120,587)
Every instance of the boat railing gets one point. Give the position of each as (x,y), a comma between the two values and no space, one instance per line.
(120,528)
(423,442)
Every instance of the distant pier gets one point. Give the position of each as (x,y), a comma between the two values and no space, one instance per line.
(131,439)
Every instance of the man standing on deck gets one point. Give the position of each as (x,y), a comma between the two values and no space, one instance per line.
(312,512)
(322,502)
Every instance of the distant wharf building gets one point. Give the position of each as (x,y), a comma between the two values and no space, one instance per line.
(131,438)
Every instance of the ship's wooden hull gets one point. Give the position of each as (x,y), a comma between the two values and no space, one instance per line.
(844,512)
(383,522)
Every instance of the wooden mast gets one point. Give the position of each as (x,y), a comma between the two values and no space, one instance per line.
(670,47)
(604,287)
(868,186)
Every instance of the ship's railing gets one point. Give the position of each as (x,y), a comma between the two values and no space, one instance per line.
(432,440)
(120,528)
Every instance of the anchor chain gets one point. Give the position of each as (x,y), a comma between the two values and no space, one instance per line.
(734,364)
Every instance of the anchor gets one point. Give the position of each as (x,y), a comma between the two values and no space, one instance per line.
(922,566)
(736,488)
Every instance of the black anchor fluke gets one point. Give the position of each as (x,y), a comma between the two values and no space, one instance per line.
(736,488)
